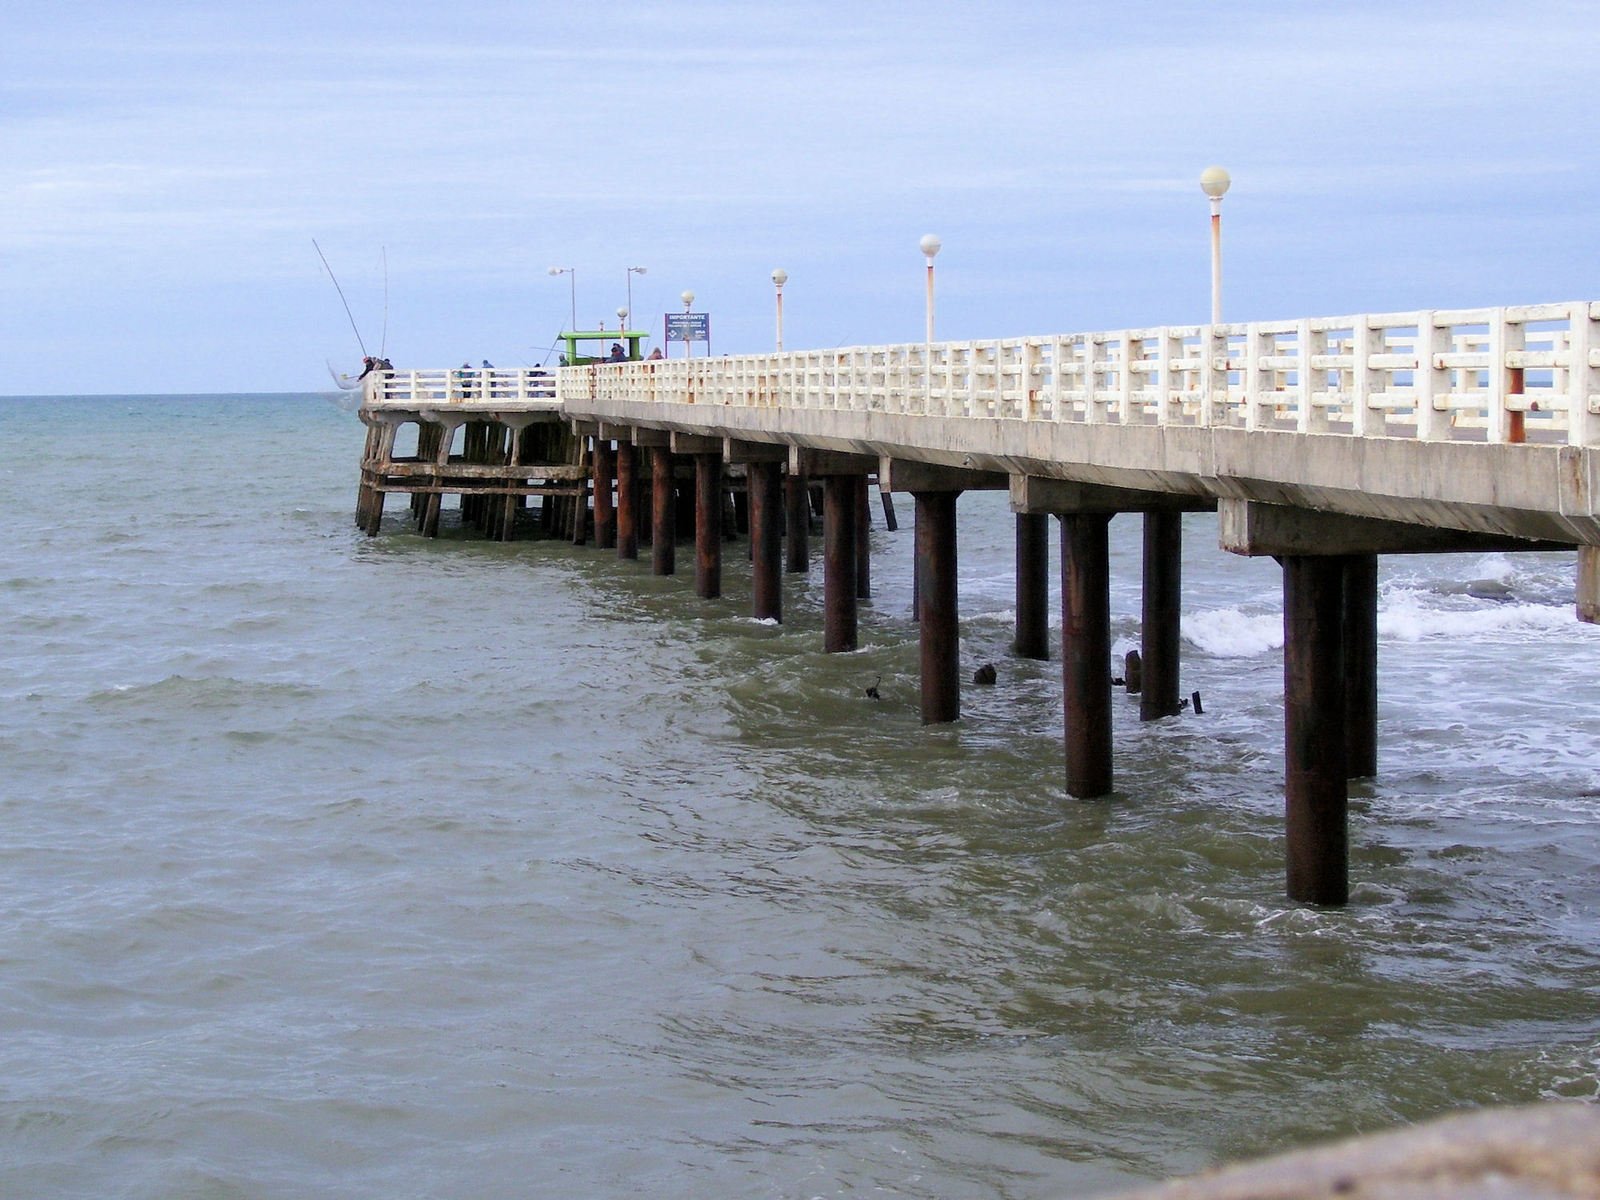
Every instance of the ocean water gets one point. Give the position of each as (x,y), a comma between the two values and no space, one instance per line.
(395,867)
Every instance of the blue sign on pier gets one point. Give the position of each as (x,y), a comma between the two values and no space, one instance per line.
(688,327)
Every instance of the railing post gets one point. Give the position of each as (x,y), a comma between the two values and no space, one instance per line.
(1094,357)
(1582,427)
(1497,416)
(1360,377)
(1425,380)
(1168,349)
(1214,375)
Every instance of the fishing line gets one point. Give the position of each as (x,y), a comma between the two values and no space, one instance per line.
(383,343)
(342,300)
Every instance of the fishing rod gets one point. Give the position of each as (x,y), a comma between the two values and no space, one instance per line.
(345,302)
(383,343)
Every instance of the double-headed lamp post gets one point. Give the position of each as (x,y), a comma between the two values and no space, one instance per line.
(1214,183)
(573,273)
(779,278)
(930,246)
(688,301)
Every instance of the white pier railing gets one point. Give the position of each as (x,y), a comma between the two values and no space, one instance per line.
(515,386)
(1528,373)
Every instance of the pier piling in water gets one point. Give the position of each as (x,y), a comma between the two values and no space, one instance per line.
(797,522)
(766,540)
(1033,586)
(1086,652)
(663,511)
(839,563)
(1315,789)
(939,639)
(605,472)
(708,525)
(1361,665)
(627,500)
(1161,611)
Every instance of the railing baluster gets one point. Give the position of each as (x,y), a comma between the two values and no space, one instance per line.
(1583,339)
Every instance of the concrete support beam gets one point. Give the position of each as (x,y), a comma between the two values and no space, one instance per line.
(818,463)
(940,630)
(1035,494)
(1086,652)
(736,451)
(1033,586)
(694,443)
(907,475)
(650,438)
(839,563)
(1251,528)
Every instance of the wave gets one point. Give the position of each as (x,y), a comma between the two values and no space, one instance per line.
(1231,633)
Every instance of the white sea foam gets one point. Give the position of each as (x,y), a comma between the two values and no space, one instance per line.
(1413,616)
(1230,633)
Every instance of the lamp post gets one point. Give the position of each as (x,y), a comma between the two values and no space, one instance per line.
(930,246)
(622,321)
(632,271)
(688,300)
(573,272)
(1214,183)
(779,278)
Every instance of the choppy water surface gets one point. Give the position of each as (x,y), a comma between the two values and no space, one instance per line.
(393,867)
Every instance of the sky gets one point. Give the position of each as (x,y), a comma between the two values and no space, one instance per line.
(165,168)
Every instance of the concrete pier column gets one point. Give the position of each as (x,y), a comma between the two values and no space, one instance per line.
(1361,665)
(605,515)
(1086,651)
(708,526)
(441,459)
(369,452)
(797,522)
(1033,586)
(1315,791)
(766,540)
(863,539)
(839,563)
(383,454)
(1159,646)
(939,633)
(663,512)
(1587,590)
(627,500)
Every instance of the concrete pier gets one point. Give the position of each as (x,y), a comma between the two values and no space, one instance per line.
(1324,442)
